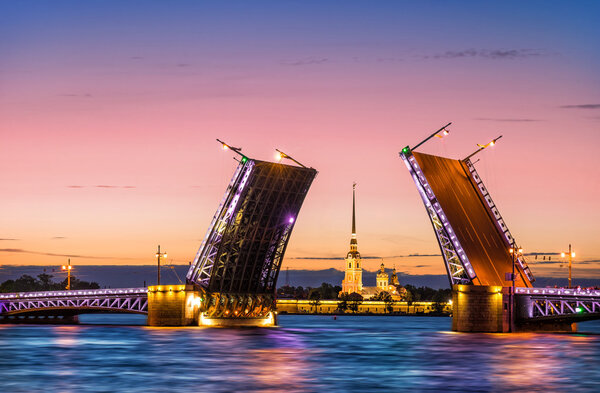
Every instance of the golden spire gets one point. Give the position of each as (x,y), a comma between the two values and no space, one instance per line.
(353,242)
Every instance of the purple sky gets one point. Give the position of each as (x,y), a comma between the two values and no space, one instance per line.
(109,112)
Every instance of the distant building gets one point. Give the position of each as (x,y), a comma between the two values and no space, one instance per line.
(352,281)
(353,278)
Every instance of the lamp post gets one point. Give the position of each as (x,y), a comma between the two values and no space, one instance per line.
(279,155)
(571,254)
(515,252)
(68,268)
(158,256)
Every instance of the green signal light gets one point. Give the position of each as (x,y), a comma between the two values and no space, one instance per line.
(244,160)
(579,310)
(406,150)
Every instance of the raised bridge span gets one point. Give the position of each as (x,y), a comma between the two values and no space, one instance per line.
(233,278)
(476,244)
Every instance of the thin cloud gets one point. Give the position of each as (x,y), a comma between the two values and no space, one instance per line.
(58,238)
(112,186)
(581,106)
(306,61)
(508,120)
(75,186)
(50,254)
(494,54)
(328,258)
(8,239)
(76,95)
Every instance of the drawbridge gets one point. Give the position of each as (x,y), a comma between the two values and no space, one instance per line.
(234,275)
(477,247)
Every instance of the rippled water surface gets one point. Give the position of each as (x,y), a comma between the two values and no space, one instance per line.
(306,353)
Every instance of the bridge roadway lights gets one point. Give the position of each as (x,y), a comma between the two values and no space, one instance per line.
(184,305)
(478,308)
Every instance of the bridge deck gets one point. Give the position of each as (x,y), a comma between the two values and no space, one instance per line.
(471,221)
(134,300)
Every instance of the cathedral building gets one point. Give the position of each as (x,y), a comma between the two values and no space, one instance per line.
(353,277)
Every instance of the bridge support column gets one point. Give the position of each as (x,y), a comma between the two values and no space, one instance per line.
(479,309)
(173,305)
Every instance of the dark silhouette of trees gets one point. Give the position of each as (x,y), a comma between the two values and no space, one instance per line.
(385,297)
(314,298)
(44,282)
(354,301)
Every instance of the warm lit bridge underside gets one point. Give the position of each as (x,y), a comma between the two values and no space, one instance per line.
(474,239)
(475,243)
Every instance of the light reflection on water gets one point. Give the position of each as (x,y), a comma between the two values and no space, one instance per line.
(306,353)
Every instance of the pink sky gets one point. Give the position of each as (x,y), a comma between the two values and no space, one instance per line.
(116,102)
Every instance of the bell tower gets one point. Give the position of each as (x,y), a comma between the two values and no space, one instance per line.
(353,279)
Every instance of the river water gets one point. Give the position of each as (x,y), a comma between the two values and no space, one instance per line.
(303,354)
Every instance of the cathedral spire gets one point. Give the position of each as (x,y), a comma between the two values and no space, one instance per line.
(353,211)
(353,242)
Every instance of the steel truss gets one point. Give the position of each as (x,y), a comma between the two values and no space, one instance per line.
(457,264)
(243,249)
(553,303)
(133,300)
(498,220)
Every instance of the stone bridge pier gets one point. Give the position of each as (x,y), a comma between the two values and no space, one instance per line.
(479,308)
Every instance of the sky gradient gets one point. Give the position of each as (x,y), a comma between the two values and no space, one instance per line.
(109,112)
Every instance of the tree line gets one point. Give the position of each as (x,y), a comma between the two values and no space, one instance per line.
(43,282)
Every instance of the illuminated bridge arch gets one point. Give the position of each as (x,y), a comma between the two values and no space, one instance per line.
(50,303)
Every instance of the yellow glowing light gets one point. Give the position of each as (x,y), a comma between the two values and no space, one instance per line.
(492,143)
(520,250)
(446,132)
(278,156)
(511,250)
(165,255)
(225,147)
(573,255)
(562,254)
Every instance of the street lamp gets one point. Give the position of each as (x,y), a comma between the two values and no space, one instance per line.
(515,252)
(571,254)
(481,147)
(158,256)
(279,155)
(68,268)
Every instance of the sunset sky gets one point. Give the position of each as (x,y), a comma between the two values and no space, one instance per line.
(109,112)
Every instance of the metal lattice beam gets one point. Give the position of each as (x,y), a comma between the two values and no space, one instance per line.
(558,303)
(458,267)
(497,218)
(134,300)
(244,246)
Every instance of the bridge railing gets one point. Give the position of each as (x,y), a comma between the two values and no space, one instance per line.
(75,293)
(558,291)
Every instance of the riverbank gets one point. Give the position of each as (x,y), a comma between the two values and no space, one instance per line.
(366,307)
